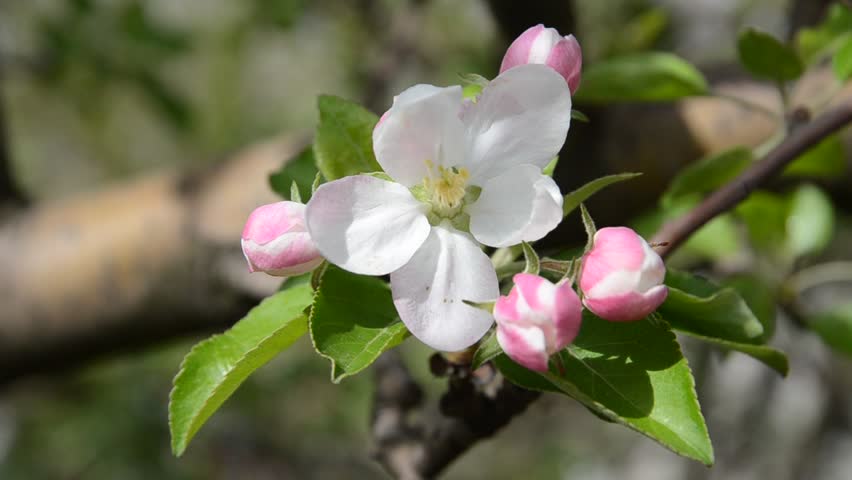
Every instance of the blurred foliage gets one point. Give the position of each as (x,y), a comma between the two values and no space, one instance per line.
(113,88)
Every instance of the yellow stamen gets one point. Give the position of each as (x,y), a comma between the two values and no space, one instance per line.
(448,190)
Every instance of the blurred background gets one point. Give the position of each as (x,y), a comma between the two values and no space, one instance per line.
(136,136)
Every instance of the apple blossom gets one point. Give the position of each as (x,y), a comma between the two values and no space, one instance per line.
(544,45)
(622,277)
(276,241)
(537,319)
(465,174)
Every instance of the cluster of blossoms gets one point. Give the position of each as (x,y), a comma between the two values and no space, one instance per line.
(460,175)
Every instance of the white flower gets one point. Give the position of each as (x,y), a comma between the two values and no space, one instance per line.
(466,173)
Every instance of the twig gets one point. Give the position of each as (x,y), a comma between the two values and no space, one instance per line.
(476,405)
(800,140)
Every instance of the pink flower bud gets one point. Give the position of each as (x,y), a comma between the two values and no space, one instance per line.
(537,319)
(622,277)
(276,241)
(544,45)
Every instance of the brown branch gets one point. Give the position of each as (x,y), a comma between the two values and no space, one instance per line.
(801,139)
(475,406)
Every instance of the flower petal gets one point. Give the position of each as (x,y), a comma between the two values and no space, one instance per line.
(429,291)
(366,225)
(627,307)
(519,205)
(423,124)
(525,345)
(521,117)
(289,254)
(567,315)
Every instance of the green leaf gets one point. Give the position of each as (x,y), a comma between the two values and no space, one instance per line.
(580,195)
(294,193)
(301,169)
(532,261)
(701,309)
(771,357)
(836,27)
(523,377)
(760,298)
(473,79)
(827,159)
(214,368)
(835,327)
(551,167)
(765,216)
(695,305)
(842,61)
(707,174)
(487,350)
(353,321)
(589,226)
(471,91)
(640,77)
(810,221)
(634,374)
(579,116)
(344,140)
(765,56)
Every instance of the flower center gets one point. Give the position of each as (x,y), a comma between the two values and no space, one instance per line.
(446,191)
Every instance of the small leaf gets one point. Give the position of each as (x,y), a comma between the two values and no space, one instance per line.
(632,373)
(473,79)
(836,27)
(561,267)
(701,309)
(695,305)
(765,216)
(353,321)
(522,376)
(214,368)
(471,91)
(295,196)
(315,185)
(771,357)
(640,77)
(580,116)
(589,225)
(580,195)
(810,221)
(842,61)
(760,298)
(301,169)
(487,350)
(707,174)
(532,261)
(551,167)
(765,56)
(835,327)
(827,159)
(344,140)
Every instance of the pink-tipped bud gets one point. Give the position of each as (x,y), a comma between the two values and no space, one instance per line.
(537,319)
(544,45)
(276,241)
(622,277)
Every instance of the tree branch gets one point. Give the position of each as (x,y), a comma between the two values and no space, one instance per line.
(475,406)
(801,139)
